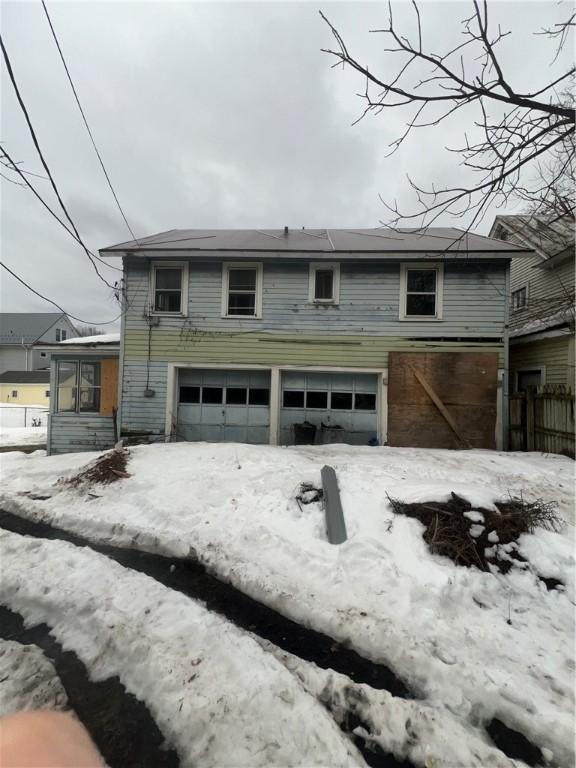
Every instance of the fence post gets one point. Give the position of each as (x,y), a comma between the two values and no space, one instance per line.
(530,423)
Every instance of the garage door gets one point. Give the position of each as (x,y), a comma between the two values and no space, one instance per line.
(342,406)
(224,406)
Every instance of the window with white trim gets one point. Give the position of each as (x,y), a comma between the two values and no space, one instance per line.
(78,386)
(58,334)
(169,288)
(63,335)
(421,287)
(242,290)
(324,283)
(520,298)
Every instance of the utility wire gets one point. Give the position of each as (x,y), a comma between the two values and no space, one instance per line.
(86,122)
(50,301)
(44,163)
(14,167)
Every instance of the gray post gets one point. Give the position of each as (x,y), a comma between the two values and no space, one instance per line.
(335,525)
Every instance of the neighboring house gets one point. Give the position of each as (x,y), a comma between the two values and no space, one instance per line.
(370,336)
(24,337)
(542,300)
(84,376)
(25,387)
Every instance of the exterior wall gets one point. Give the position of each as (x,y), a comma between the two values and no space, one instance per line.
(49,337)
(28,394)
(369,302)
(356,334)
(549,290)
(554,355)
(69,433)
(12,358)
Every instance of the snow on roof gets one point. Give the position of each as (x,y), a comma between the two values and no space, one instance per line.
(104,338)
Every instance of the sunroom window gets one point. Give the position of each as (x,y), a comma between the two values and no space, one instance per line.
(78,387)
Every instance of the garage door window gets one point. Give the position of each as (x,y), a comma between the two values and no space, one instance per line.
(189,394)
(212,395)
(364,401)
(317,400)
(293,398)
(236,395)
(258,396)
(341,401)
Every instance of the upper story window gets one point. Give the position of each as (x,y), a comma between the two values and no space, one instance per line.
(63,335)
(242,290)
(78,386)
(57,334)
(324,284)
(421,289)
(170,288)
(520,298)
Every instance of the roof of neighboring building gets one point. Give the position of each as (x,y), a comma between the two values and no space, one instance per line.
(551,238)
(16,327)
(379,241)
(25,377)
(103,338)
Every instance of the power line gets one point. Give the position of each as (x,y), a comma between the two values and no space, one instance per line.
(44,163)
(55,304)
(26,183)
(86,122)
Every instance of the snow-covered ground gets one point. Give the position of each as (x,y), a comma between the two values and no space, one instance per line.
(471,645)
(28,680)
(22,436)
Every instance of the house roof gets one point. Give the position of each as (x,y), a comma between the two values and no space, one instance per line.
(381,242)
(553,239)
(25,377)
(16,327)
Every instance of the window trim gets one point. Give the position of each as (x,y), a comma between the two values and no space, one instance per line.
(226,267)
(438,316)
(184,266)
(524,286)
(316,266)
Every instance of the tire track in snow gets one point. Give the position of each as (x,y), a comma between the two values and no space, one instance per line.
(192,579)
(120,725)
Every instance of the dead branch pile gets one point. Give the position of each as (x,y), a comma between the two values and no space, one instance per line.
(474,536)
(105,469)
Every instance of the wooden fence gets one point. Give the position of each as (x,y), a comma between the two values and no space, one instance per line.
(542,419)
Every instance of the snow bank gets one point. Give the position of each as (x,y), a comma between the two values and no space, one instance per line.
(28,680)
(22,436)
(477,644)
(217,697)
(103,338)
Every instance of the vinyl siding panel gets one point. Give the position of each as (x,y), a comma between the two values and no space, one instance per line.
(139,413)
(69,433)
(552,354)
(474,301)
(548,290)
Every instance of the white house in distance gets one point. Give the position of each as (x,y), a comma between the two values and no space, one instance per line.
(24,337)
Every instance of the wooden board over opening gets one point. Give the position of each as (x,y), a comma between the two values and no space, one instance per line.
(427,391)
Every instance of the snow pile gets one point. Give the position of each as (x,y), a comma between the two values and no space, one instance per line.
(28,680)
(476,644)
(217,697)
(22,436)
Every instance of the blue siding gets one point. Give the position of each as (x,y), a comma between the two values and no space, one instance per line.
(474,301)
(139,413)
(69,433)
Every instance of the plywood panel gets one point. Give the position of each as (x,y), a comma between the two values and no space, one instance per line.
(109,386)
(467,385)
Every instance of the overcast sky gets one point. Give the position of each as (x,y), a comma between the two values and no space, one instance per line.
(213,115)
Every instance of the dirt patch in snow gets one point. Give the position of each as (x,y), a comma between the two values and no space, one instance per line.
(104,470)
(120,725)
(479,537)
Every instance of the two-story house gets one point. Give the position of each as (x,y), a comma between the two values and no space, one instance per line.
(25,336)
(283,336)
(542,300)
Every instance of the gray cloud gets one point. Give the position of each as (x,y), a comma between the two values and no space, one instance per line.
(209,115)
